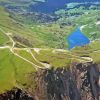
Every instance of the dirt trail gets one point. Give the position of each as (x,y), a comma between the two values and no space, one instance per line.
(12,50)
(44,64)
(37,50)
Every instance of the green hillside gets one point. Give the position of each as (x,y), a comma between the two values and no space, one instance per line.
(13,70)
(30,41)
(3,39)
(10,25)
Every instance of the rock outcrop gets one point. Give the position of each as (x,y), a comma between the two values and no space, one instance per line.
(78,82)
(15,94)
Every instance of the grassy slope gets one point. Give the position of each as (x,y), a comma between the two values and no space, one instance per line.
(3,39)
(13,70)
(92,50)
(88,18)
(58,59)
(90,21)
(10,25)
(28,56)
(52,35)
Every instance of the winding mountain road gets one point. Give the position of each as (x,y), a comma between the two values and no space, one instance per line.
(37,50)
(12,50)
(44,64)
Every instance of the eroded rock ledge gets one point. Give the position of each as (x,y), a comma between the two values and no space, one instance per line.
(15,94)
(79,82)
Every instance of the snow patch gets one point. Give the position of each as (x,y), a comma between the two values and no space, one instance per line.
(98,23)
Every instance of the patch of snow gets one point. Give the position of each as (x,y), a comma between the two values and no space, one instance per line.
(98,23)
(81,28)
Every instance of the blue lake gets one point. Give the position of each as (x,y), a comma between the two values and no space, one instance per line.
(77,38)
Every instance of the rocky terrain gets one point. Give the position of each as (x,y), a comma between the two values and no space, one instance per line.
(78,82)
(15,94)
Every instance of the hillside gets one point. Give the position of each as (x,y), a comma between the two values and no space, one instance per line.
(34,55)
(15,28)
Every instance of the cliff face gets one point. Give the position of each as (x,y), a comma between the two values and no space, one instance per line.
(79,82)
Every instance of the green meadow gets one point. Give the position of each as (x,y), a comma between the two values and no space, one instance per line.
(13,70)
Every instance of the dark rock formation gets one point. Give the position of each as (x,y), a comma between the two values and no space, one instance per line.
(15,94)
(79,82)
(22,40)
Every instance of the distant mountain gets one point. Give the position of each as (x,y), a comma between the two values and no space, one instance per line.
(44,6)
(52,5)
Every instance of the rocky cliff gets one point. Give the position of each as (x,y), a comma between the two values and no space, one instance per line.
(79,82)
